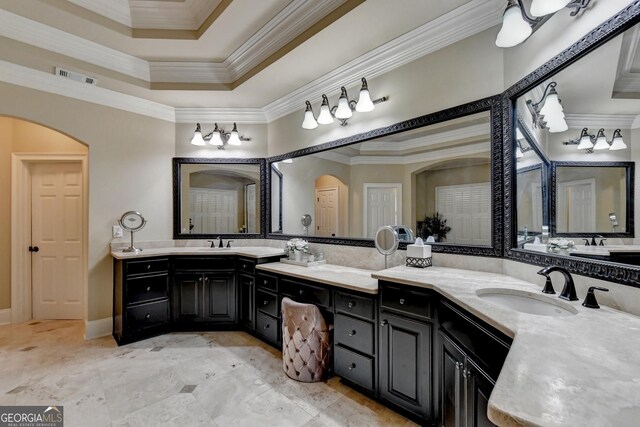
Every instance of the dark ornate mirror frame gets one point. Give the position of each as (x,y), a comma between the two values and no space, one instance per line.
(630,185)
(619,273)
(492,104)
(178,161)
(275,170)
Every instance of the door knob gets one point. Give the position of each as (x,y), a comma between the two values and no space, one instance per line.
(384,323)
(351,304)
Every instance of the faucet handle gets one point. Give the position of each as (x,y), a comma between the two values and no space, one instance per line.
(602,239)
(212,243)
(229,243)
(590,299)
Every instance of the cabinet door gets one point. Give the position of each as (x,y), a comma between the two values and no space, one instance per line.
(247,302)
(187,297)
(478,390)
(405,363)
(220,297)
(451,383)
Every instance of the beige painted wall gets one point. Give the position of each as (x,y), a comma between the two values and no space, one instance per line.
(129,168)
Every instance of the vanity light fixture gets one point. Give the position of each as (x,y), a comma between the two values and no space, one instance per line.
(343,111)
(590,142)
(520,150)
(218,137)
(548,112)
(517,26)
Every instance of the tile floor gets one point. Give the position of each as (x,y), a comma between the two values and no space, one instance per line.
(181,379)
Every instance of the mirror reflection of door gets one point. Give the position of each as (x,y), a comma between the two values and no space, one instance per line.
(250,208)
(383,206)
(577,206)
(327,208)
(213,210)
(467,209)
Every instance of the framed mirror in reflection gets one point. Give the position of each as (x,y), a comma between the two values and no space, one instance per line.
(433,181)
(592,140)
(215,197)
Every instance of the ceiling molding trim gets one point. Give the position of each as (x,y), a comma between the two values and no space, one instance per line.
(425,141)
(463,22)
(607,121)
(483,148)
(50,83)
(189,72)
(185,15)
(220,115)
(116,10)
(42,36)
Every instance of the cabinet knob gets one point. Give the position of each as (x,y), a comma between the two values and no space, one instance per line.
(384,323)
(266,326)
(148,288)
(148,316)
(458,366)
(402,301)
(250,282)
(351,367)
(148,266)
(301,291)
(265,302)
(264,282)
(244,266)
(199,279)
(351,304)
(352,333)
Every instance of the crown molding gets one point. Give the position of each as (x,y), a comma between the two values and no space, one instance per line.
(43,36)
(428,140)
(116,10)
(607,121)
(184,15)
(50,83)
(220,115)
(189,72)
(463,22)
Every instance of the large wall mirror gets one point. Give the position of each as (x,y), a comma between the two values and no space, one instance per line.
(587,150)
(218,197)
(435,175)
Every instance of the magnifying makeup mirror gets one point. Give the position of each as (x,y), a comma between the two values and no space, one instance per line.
(306,222)
(386,241)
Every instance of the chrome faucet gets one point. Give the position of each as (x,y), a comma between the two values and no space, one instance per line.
(569,289)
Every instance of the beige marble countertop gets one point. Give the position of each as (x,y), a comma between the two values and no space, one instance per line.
(246,251)
(578,370)
(335,275)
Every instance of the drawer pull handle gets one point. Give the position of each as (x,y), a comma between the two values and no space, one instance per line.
(265,302)
(148,316)
(384,323)
(250,282)
(351,304)
(265,281)
(244,266)
(301,291)
(402,301)
(351,367)
(148,288)
(267,326)
(352,333)
(148,266)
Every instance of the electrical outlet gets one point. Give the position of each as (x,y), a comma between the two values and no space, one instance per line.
(116,231)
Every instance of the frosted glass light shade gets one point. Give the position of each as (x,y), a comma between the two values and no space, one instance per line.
(585,143)
(365,103)
(558,125)
(325,117)
(514,29)
(309,121)
(545,7)
(216,139)
(601,141)
(344,110)
(234,138)
(197,136)
(618,142)
(551,104)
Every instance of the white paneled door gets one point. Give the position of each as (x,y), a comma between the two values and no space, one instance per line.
(56,232)
(327,208)
(382,206)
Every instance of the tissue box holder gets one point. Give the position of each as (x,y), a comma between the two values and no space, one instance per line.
(418,262)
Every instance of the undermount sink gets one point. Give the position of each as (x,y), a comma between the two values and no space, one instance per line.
(214,249)
(526,302)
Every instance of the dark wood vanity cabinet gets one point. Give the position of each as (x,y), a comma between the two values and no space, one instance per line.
(268,319)
(469,356)
(406,333)
(140,298)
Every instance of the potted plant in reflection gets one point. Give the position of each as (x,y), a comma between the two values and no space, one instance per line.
(435,225)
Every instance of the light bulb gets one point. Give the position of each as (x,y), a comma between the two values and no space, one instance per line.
(197,136)
(545,7)
(364,99)
(519,153)
(216,139)
(514,29)
(618,142)
(585,140)
(325,117)
(234,138)
(344,110)
(309,121)
(601,141)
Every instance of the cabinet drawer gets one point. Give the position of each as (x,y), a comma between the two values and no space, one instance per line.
(204,263)
(146,266)
(354,305)
(407,301)
(145,316)
(267,282)
(246,266)
(267,302)
(146,288)
(306,293)
(354,367)
(267,327)
(354,333)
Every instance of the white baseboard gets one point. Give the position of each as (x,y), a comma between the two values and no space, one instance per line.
(5,316)
(98,328)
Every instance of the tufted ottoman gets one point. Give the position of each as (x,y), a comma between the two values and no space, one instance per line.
(306,342)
